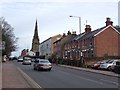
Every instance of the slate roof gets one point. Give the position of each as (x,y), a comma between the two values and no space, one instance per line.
(117,28)
(71,38)
(92,33)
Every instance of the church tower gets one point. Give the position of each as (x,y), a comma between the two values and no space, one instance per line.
(35,41)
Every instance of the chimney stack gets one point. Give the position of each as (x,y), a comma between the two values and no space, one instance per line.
(64,35)
(108,21)
(74,33)
(69,33)
(87,29)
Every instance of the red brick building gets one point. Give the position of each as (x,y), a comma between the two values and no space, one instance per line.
(24,52)
(59,44)
(101,42)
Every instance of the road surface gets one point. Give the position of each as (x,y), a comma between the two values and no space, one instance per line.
(60,77)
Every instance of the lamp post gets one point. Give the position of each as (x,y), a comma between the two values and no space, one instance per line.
(81,53)
(79,22)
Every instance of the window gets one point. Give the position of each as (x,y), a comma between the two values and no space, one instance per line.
(47,45)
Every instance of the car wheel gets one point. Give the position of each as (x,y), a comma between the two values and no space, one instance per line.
(49,69)
(34,68)
(109,68)
(37,69)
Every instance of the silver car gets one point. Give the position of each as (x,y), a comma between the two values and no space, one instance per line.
(27,61)
(42,64)
(108,64)
(20,59)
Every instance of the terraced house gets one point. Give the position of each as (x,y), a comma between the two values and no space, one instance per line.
(101,42)
(59,44)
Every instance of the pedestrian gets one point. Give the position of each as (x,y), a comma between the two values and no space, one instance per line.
(4,58)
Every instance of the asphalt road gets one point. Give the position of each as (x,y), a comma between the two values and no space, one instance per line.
(60,77)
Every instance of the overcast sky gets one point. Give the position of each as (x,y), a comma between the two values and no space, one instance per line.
(53,17)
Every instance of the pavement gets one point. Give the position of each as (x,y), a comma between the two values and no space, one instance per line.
(11,77)
(104,72)
(14,77)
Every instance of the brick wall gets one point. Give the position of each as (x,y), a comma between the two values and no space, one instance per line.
(106,43)
(119,44)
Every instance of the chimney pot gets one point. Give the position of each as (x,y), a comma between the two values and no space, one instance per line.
(74,32)
(108,21)
(87,29)
(88,26)
(69,33)
(64,35)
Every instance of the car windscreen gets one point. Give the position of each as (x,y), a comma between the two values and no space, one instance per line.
(106,61)
(20,58)
(118,63)
(27,58)
(44,61)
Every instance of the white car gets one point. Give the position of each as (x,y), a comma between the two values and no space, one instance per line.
(20,59)
(108,64)
(97,64)
(42,64)
(27,61)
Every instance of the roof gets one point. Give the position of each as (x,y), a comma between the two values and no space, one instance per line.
(49,38)
(117,28)
(97,31)
(113,27)
(57,40)
(94,33)
(46,40)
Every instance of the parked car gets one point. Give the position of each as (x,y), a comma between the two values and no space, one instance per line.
(20,59)
(114,65)
(27,61)
(42,64)
(97,64)
(13,58)
(117,68)
(108,64)
(33,59)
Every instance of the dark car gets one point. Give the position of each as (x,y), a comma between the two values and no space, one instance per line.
(42,64)
(116,66)
(14,58)
(117,69)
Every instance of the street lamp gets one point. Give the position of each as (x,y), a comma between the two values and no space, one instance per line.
(81,59)
(79,22)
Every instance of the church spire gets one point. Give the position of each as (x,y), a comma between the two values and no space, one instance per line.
(35,41)
(36,30)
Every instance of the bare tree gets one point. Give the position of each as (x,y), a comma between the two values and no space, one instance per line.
(8,37)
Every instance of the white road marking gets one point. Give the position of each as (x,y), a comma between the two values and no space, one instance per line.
(32,83)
